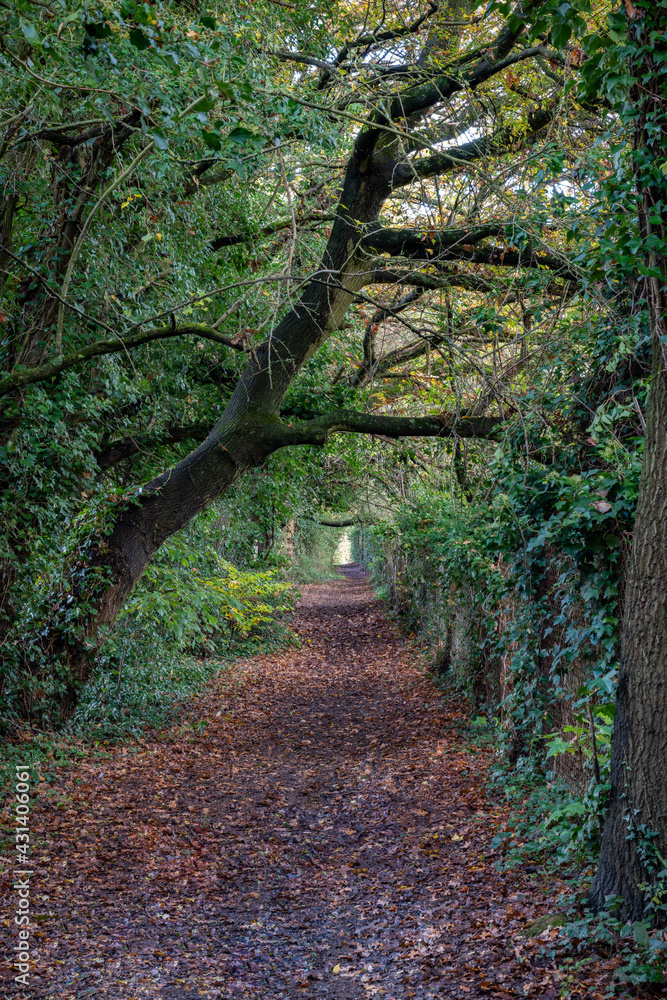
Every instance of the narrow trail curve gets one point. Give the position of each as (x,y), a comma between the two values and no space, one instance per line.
(324,835)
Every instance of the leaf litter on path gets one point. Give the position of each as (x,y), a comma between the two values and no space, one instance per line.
(321,831)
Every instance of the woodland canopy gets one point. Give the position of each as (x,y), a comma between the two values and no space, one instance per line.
(270,268)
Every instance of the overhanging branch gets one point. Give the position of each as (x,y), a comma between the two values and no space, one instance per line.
(431,282)
(28,376)
(459,245)
(447,278)
(503,141)
(337,522)
(132,445)
(424,245)
(445,425)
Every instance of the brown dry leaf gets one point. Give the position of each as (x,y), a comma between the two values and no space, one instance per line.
(576,57)
(219,864)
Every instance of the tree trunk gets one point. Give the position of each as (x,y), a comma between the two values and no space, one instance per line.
(638,801)
(635,832)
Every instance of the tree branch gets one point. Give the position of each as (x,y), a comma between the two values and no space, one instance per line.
(274,227)
(457,244)
(336,522)
(503,141)
(370,332)
(431,282)
(445,87)
(299,57)
(130,446)
(421,98)
(318,430)
(198,178)
(28,376)
(401,355)
(372,39)
(390,34)
(422,245)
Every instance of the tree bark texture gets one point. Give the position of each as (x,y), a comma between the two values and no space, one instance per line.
(635,831)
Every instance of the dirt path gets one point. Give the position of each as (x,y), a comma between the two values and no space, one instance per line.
(325,835)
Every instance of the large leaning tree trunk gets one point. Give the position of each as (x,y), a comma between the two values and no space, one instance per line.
(635,834)
(251,428)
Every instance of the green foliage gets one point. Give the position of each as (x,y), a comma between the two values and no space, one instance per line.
(314,551)
(117,115)
(641,948)
(190,605)
(540,521)
(552,827)
(192,597)
(190,612)
(548,824)
(519,597)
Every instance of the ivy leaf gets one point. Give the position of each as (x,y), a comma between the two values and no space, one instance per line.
(205,104)
(241,135)
(30,33)
(139,39)
(211,139)
(208,22)
(160,139)
(560,35)
(99,30)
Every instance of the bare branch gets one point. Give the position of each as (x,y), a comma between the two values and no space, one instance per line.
(369,362)
(459,245)
(318,430)
(372,39)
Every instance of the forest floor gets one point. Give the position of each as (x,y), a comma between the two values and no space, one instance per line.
(317,828)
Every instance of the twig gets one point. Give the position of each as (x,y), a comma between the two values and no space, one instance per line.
(290,205)
(93,212)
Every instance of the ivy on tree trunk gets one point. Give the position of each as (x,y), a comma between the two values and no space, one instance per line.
(635,834)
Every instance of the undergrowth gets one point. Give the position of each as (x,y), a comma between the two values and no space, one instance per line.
(519,600)
(554,831)
(148,697)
